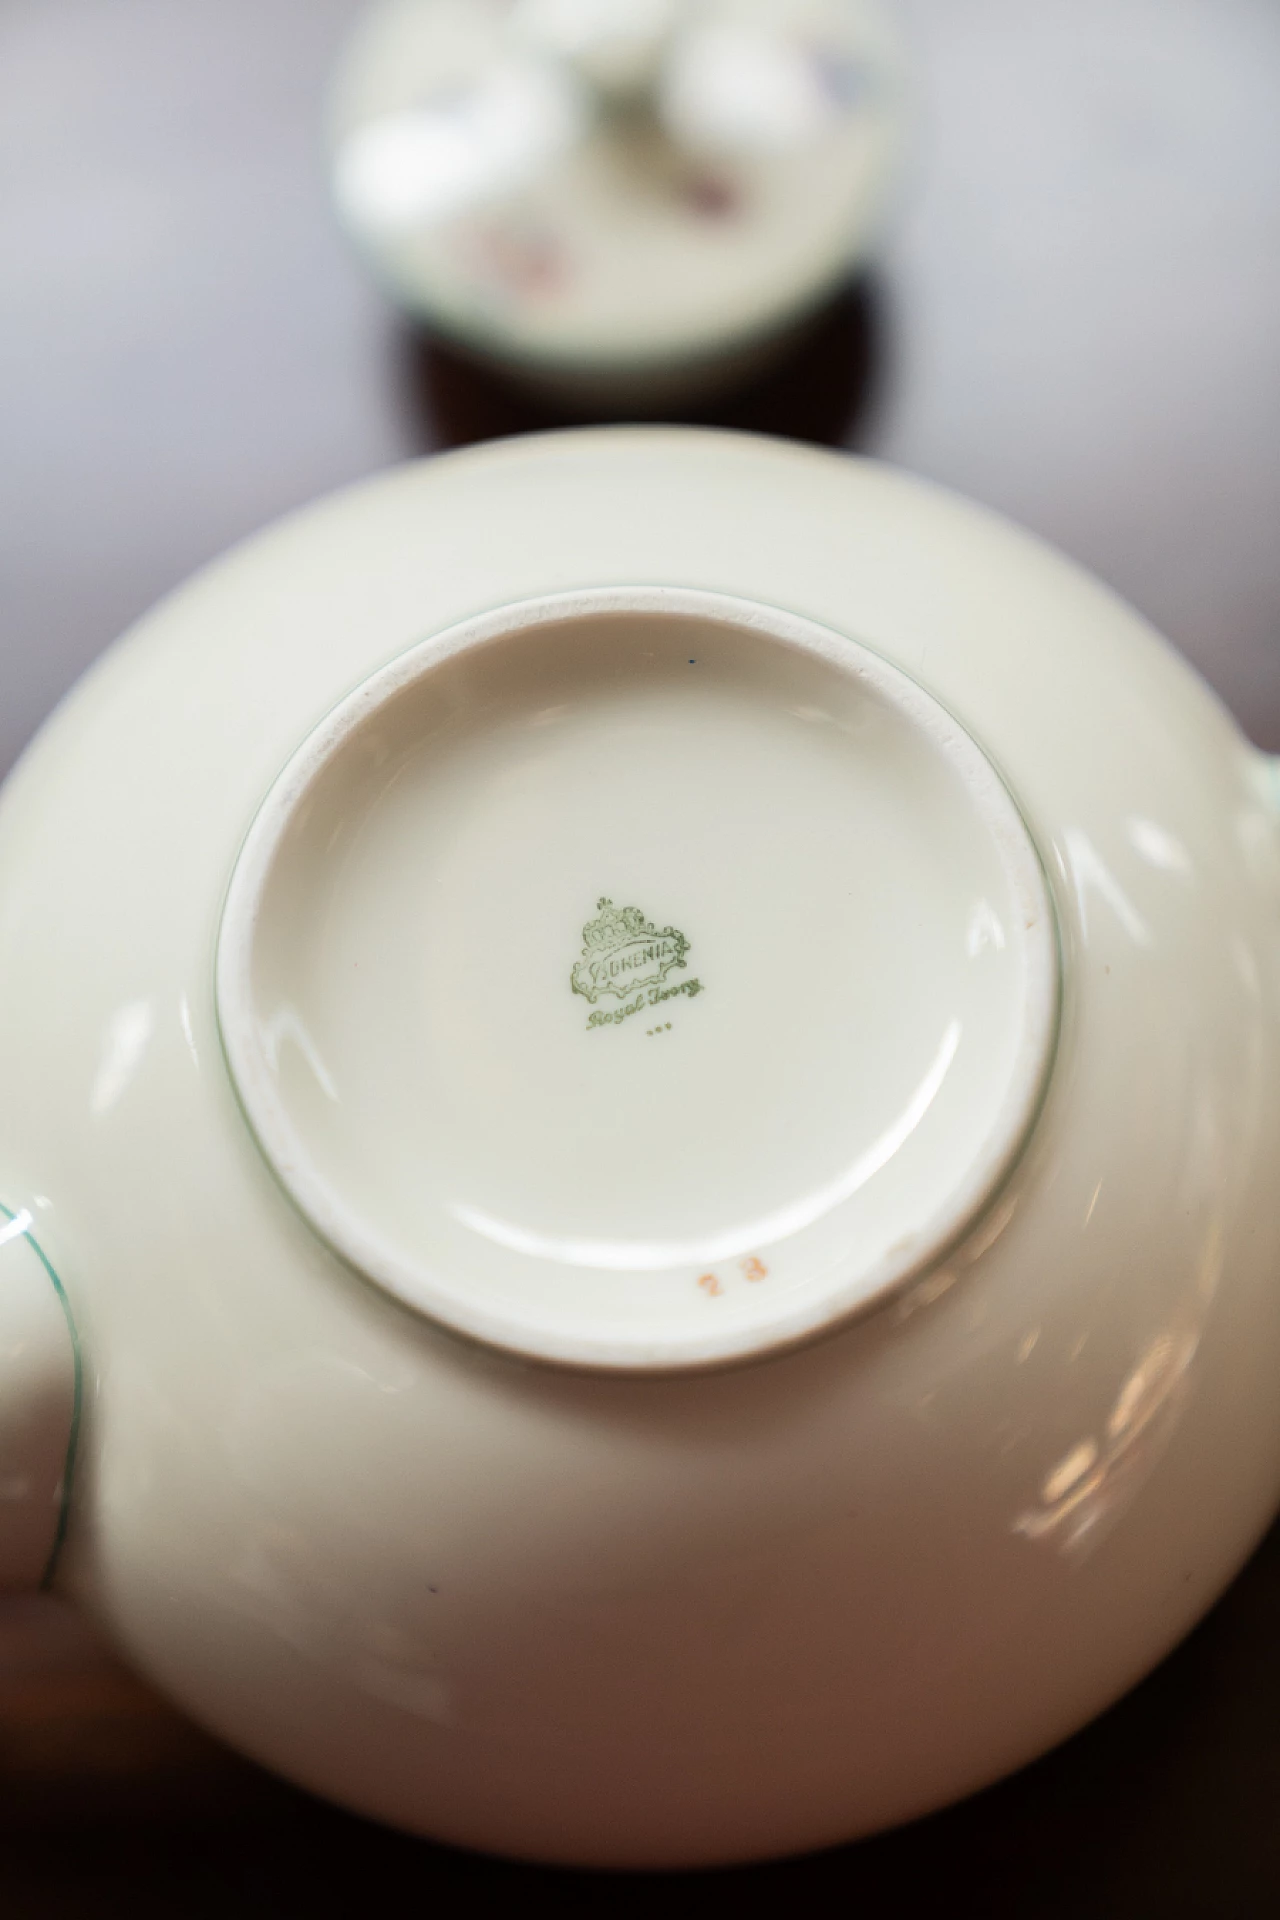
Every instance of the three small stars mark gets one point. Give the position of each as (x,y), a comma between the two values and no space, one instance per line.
(650,1031)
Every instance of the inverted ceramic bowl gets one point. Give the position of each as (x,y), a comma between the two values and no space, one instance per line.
(642,1092)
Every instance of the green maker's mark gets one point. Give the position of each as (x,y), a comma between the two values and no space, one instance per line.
(623,953)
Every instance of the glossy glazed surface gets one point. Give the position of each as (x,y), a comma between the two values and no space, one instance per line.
(441,1028)
(657,1620)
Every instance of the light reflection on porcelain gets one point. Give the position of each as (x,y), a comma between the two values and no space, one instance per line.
(645,1618)
(123,1046)
(1158,847)
(1093,879)
(1085,1492)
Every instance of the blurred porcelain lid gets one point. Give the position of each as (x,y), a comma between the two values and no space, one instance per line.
(631,184)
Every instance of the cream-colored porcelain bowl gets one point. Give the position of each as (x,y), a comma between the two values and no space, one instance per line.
(641,1105)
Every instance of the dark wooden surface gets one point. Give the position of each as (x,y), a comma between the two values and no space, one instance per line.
(1077,321)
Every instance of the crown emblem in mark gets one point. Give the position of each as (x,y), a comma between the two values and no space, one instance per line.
(622,951)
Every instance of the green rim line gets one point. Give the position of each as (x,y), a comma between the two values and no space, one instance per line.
(77,1399)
